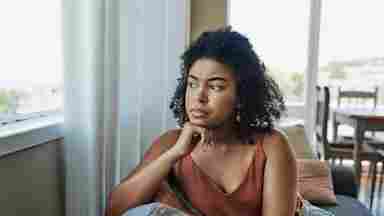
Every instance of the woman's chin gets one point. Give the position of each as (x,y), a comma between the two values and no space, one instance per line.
(200,122)
(204,123)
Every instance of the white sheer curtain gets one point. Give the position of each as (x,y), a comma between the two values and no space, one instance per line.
(90,103)
(121,63)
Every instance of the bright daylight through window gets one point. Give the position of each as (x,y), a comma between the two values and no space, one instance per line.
(351,55)
(31,65)
(351,46)
(278,31)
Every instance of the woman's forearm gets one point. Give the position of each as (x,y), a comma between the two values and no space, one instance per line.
(142,185)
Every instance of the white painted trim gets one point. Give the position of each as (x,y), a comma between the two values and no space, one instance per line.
(312,67)
(227,12)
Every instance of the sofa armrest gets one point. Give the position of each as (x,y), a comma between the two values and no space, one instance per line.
(344,182)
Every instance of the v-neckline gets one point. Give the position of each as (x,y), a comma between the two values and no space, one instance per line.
(216,186)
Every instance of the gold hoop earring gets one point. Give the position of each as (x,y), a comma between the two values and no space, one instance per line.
(238,118)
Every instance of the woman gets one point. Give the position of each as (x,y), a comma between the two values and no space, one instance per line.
(227,158)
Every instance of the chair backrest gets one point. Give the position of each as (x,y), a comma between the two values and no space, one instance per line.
(322,117)
(357,97)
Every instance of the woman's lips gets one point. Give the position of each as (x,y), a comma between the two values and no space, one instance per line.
(197,113)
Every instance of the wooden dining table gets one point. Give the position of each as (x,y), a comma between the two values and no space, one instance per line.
(361,119)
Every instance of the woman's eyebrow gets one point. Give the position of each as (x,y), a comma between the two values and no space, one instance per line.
(217,79)
(210,79)
(193,77)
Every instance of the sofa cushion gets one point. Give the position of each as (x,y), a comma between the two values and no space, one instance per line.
(315,181)
(347,205)
(299,141)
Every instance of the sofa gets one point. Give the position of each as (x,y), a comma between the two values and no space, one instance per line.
(346,191)
(343,179)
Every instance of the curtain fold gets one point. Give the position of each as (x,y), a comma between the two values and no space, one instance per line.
(90,103)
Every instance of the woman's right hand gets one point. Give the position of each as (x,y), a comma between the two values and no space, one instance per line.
(189,137)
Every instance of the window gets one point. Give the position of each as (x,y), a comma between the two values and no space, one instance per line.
(278,31)
(31,59)
(351,51)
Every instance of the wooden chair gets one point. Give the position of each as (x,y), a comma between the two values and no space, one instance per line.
(355,98)
(332,150)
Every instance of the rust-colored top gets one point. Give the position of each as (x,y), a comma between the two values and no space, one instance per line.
(206,195)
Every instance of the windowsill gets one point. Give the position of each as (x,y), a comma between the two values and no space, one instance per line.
(26,134)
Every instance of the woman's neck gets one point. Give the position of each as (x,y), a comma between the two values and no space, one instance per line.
(224,135)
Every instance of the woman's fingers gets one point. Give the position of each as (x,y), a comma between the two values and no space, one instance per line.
(205,134)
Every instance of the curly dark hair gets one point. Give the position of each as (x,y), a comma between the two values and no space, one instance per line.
(260,100)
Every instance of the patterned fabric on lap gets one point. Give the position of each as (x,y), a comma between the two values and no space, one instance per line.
(166,210)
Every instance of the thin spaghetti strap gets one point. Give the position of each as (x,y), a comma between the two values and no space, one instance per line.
(258,141)
(259,138)
(262,144)
(262,140)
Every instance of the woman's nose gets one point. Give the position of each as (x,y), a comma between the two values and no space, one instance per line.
(202,95)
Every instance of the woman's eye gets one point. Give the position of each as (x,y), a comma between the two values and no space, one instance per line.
(216,87)
(192,84)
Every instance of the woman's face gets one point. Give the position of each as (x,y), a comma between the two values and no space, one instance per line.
(211,94)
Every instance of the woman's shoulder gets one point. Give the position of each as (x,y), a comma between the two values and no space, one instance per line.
(277,136)
(162,143)
(274,136)
(168,138)
(276,143)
